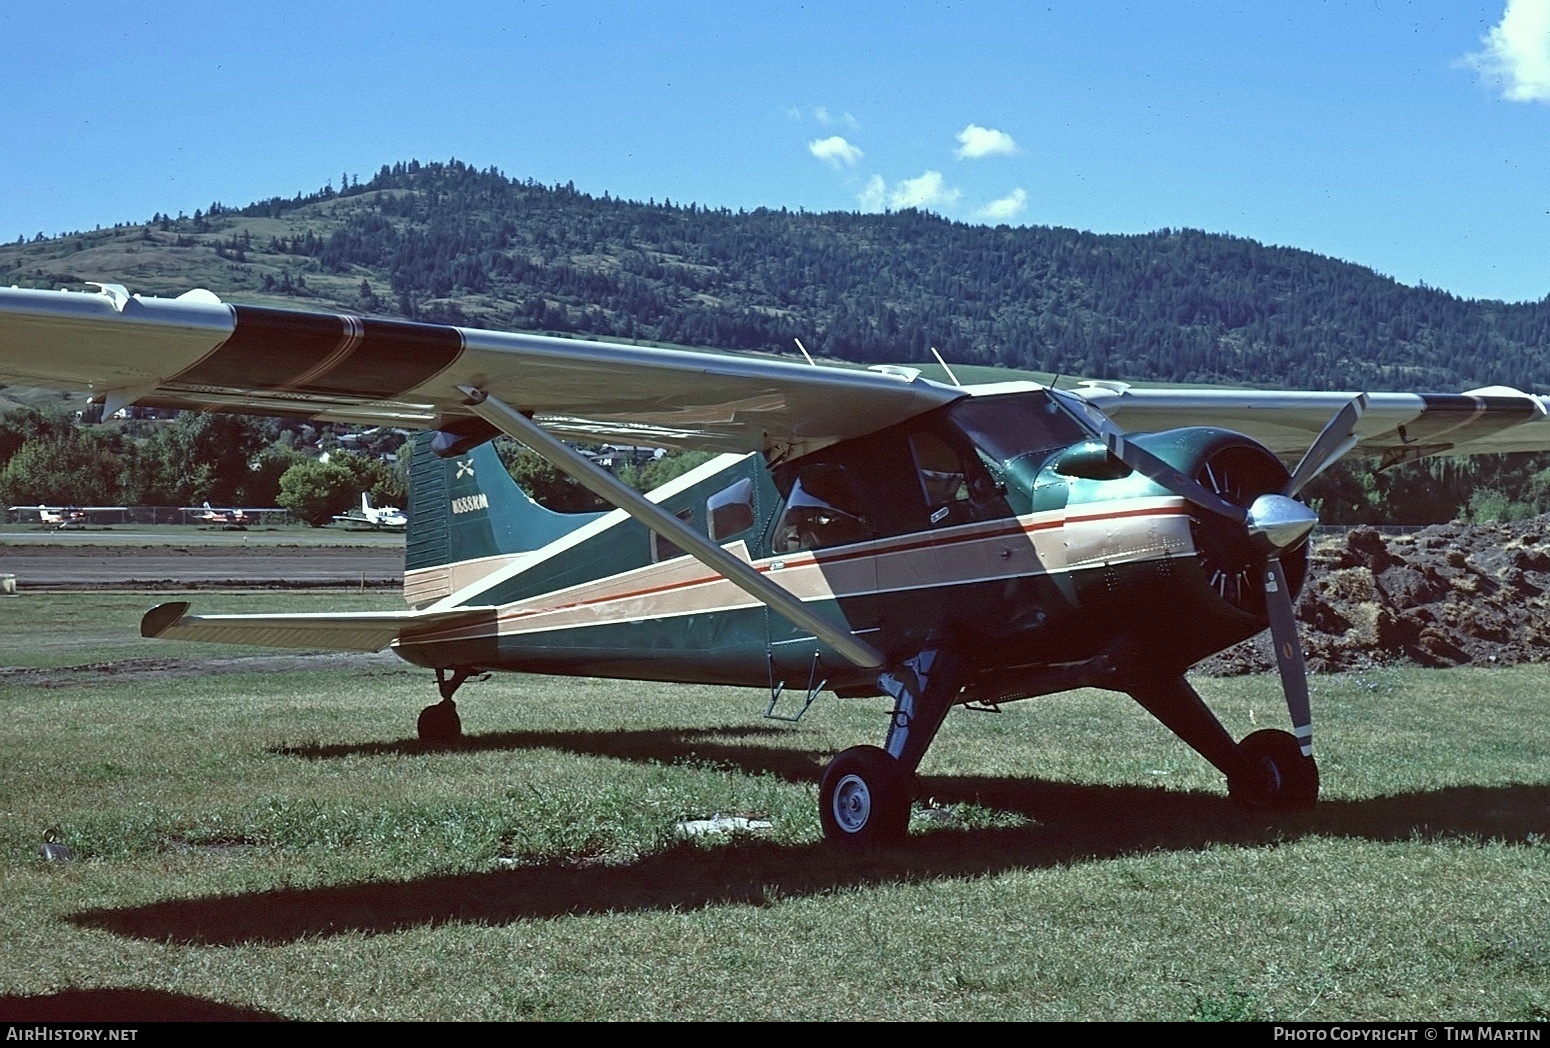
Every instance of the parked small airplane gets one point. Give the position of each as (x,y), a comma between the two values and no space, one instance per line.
(223,518)
(61,517)
(867,532)
(382,518)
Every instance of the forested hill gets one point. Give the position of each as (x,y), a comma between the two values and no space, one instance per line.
(448,242)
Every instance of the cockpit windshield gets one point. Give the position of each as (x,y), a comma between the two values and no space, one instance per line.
(1008,426)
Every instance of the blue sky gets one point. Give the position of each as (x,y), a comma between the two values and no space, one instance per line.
(1411,137)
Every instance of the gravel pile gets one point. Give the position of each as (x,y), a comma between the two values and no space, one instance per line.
(1445,596)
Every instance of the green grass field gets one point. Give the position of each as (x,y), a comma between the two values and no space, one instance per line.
(277,844)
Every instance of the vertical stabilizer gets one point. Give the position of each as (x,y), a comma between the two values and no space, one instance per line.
(467,518)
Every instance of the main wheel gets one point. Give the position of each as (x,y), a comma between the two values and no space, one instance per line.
(440,725)
(864,798)
(1291,782)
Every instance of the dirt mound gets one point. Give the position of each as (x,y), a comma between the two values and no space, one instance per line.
(1443,596)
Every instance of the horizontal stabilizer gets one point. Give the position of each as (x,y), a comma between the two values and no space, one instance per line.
(328,631)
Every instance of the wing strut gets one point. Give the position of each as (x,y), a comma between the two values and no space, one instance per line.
(608,487)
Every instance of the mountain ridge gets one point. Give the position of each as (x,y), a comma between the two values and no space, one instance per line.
(447,242)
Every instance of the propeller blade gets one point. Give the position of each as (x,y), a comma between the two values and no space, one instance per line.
(1334,440)
(1158,471)
(1294,672)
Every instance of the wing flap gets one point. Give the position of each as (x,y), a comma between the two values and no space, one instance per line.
(328,631)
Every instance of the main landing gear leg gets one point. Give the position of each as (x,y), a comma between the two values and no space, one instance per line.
(439,724)
(865,795)
(1267,770)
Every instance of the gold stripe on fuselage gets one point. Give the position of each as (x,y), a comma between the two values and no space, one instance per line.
(1126,532)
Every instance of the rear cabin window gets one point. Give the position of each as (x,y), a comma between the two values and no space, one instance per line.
(663,549)
(730,510)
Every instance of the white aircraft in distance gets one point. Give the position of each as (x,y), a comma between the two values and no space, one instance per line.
(868,533)
(224,518)
(61,517)
(382,518)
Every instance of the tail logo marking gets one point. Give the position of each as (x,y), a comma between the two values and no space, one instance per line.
(465,468)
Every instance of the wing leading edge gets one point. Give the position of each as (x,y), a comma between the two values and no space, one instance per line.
(1395,427)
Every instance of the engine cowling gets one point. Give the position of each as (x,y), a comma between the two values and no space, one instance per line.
(1232,560)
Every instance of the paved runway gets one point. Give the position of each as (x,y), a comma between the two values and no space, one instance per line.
(200,567)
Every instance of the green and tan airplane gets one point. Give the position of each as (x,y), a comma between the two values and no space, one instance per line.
(865,533)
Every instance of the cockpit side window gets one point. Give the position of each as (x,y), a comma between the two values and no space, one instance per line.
(944,479)
(822,510)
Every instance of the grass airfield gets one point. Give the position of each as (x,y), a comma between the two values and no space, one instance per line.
(265,842)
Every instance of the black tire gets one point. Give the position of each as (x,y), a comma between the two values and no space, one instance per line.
(439,725)
(864,799)
(1291,782)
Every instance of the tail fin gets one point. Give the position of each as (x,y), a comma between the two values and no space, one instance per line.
(467,517)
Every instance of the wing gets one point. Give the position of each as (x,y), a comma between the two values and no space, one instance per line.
(198,352)
(1396,427)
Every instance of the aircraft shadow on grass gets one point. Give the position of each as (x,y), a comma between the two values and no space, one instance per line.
(125,1005)
(1074,823)
(715,745)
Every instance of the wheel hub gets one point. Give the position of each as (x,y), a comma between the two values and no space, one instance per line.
(852,804)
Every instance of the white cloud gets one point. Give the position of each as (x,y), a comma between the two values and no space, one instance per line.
(1517,52)
(1006,208)
(835,151)
(874,196)
(828,119)
(929,190)
(975,142)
